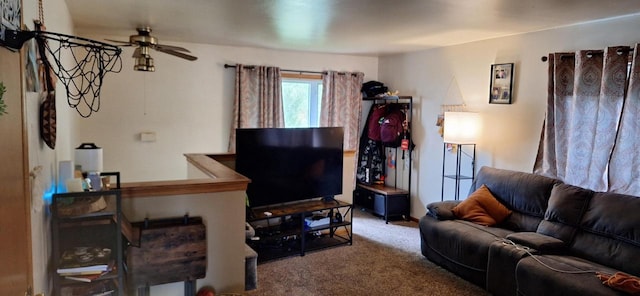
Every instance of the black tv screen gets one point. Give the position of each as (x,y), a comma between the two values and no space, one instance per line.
(290,164)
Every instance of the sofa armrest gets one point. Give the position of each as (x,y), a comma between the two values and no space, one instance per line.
(442,210)
(543,243)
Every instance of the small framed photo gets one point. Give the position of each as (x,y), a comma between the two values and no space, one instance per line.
(9,16)
(501,84)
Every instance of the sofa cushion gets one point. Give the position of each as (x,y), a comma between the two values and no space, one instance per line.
(609,232)
(570,276)
(567,204)
(543,243)
(460,246)
(520,192)
(521,222)
(481,207)
(501,267)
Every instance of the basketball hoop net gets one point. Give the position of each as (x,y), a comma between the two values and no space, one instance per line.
(92,60)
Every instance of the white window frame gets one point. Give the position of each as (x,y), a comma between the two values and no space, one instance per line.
(315,98)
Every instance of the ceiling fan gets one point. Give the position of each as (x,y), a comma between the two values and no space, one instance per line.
(145,42)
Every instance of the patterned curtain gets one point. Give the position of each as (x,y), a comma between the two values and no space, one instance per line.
(624,168)
(585,96)
(258,100)
(341,104)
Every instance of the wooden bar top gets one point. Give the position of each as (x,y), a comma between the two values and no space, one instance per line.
(221,179)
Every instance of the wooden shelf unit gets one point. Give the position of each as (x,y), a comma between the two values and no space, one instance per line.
(385,201)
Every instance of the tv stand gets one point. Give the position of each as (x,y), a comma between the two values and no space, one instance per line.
(285,231)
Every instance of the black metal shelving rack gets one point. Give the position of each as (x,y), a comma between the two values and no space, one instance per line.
(457,175)
(284,239)
(95,229)
(394,201)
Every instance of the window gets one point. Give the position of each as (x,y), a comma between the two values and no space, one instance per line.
(301,101)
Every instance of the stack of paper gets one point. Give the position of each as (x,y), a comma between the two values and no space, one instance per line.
(85,263)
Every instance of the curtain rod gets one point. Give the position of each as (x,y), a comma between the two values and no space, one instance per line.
(619,51)
(284,70)
(287,70)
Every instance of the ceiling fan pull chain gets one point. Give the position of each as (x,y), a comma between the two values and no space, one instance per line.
(40,12)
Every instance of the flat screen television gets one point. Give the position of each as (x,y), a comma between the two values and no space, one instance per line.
(290,164)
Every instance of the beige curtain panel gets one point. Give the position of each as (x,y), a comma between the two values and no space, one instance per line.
(342,104)
(586,139)
(258,100)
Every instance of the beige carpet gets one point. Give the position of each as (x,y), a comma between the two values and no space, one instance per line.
(384,259)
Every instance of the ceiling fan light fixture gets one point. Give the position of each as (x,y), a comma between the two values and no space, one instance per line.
(144,43)
(144,63)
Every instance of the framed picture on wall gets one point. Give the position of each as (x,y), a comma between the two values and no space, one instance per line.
(501,84)
(10,16)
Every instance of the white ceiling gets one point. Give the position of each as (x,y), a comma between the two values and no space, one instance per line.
(368,27)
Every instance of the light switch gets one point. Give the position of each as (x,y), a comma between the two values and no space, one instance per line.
(148,136)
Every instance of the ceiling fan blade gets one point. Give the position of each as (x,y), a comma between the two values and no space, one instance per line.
(124,43)
(178,54)
(136,53)
(171,47)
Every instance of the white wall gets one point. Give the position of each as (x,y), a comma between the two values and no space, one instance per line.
(187,104)
(510,133)
(57,19)
(222,214)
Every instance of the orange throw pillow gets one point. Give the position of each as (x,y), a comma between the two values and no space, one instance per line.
(482,207)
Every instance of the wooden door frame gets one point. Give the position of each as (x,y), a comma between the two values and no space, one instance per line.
(16,277)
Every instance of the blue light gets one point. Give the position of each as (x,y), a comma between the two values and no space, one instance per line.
(48,195)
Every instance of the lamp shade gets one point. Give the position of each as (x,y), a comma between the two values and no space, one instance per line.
(461,127)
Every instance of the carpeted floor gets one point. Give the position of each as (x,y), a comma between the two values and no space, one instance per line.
(384,259)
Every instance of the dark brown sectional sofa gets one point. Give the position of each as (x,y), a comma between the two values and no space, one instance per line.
(554,242)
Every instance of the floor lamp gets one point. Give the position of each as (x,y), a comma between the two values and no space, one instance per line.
(460,129)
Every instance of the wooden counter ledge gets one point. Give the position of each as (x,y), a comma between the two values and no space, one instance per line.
(222,178)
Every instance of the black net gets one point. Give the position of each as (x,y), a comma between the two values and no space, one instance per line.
(83,73)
